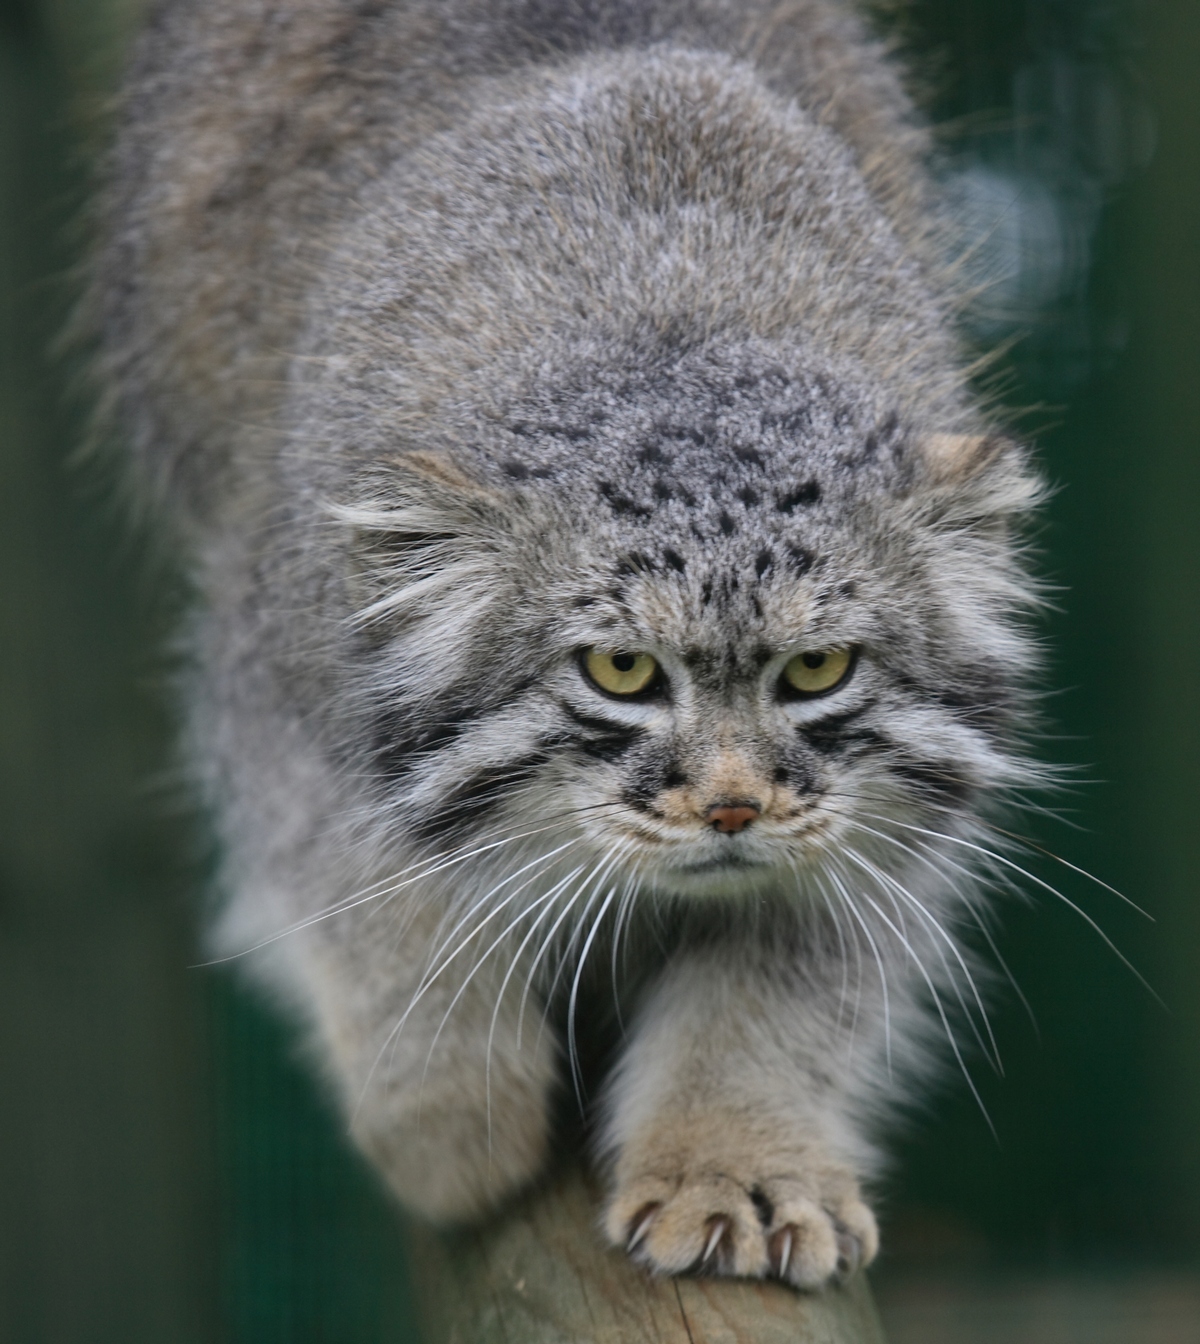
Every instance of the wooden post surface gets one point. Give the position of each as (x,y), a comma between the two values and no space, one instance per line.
(543,1275)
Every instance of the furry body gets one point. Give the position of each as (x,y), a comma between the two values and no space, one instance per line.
(460,338)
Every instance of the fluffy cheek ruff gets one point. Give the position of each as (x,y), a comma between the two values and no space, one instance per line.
(469,746)
(513,762)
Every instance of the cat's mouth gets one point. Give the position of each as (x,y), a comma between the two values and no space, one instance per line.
(693,866)
(722,862)
(723,875)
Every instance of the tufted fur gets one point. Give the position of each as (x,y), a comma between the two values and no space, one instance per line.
(458,338)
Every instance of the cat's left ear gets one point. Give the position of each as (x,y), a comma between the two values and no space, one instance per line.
(954,459)
(971,478)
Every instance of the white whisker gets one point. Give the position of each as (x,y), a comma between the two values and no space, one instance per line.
(386,887)
(481,902)
(993,856)
(429,979)
(550,896)
(941,1011)
(470,976)
(991,1050)
(924,913)
(572,1050)
(981,924)
(549,939)
(624,912)
(831,906)
(596,881)
(883,985)
(547,942)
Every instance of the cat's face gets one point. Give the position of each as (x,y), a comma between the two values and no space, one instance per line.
(750,704)
(738,623)
(715,760)
(724,768)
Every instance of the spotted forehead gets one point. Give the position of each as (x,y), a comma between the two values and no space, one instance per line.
(702,450)
(717,612)
(703,491)
(731,514)
(726,606)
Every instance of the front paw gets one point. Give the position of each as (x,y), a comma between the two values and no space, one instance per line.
(744,1208)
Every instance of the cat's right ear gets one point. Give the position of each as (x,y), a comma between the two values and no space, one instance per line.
(441,473)
(422,528)
(416,492)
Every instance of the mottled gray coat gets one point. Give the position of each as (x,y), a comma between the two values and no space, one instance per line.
(459,339)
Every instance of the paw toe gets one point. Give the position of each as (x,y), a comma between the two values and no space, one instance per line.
(631,1212)
(803,1247)
(858,1237)
(709,1227)
(717,1232)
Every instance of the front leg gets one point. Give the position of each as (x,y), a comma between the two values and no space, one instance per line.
(731,1126)
(442,1090)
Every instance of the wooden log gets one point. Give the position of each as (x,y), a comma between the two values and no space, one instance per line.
(543,1275)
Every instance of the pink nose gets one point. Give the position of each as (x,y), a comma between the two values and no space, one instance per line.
(729,820)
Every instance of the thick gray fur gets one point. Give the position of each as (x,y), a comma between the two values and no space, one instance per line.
(457,338)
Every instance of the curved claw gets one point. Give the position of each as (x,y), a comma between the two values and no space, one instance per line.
(640,1227)
(718,1227)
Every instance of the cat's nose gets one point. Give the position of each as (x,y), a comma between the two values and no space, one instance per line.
(732,817)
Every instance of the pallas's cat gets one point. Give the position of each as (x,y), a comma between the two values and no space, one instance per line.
(608,624)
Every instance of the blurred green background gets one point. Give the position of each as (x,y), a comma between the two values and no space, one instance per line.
(167,1172)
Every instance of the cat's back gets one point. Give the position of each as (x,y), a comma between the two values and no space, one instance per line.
(251,128)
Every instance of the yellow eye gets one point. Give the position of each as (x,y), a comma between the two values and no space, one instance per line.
(819,671)
(620,673)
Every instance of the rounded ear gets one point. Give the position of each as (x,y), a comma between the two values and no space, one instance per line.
(424,535)
(440,472)
(951,459)
(419,491)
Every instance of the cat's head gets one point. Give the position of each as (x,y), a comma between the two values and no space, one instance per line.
(715,615)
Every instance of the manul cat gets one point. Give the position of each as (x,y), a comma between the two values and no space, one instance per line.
(608,637)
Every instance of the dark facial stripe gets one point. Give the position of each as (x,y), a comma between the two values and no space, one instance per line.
(975,694)
(934,782)
(469,802)
(837,733)
(400,741)
(600,738)
(797,774)
(648,776)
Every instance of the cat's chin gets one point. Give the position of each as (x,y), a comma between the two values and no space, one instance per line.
(725,876)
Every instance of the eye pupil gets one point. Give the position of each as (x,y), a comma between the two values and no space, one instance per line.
(813,660)
(624,662)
